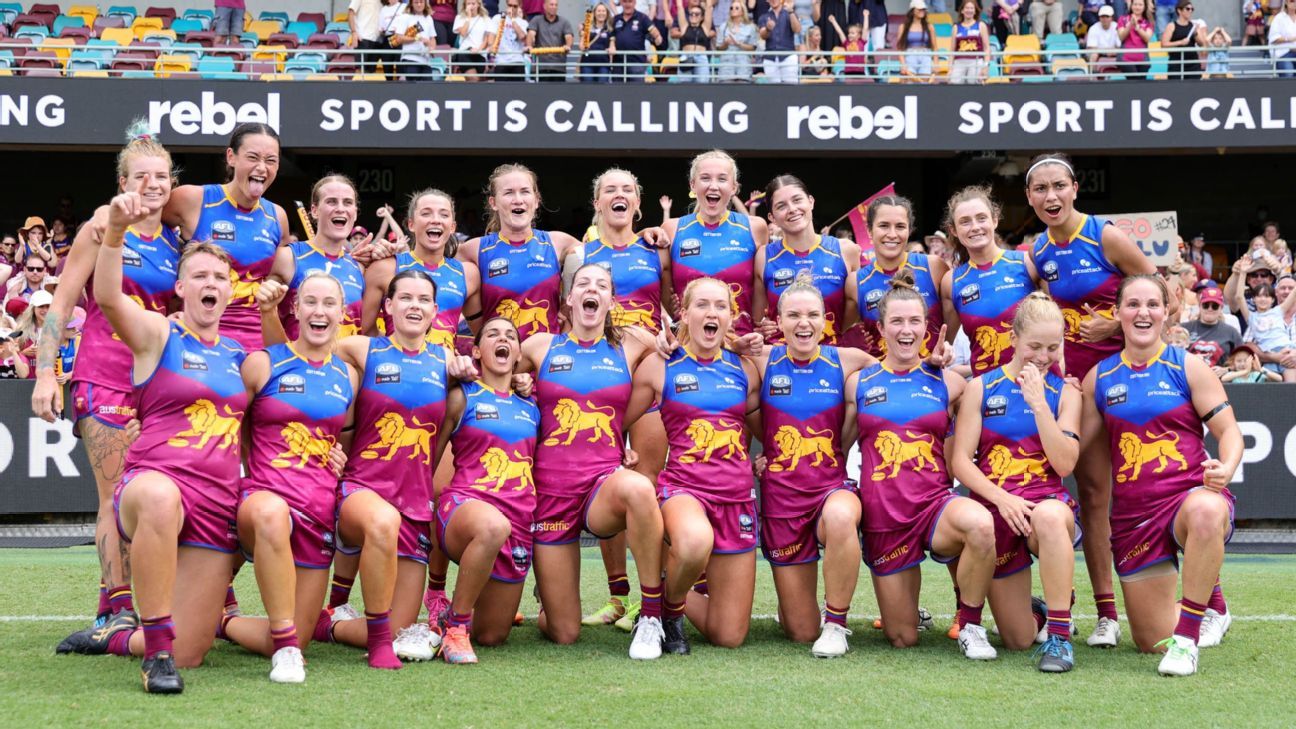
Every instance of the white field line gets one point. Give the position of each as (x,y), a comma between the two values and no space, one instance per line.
(1280,618)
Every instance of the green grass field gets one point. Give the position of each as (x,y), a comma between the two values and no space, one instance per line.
(768,683)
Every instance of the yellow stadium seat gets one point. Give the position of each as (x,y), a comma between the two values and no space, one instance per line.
(61,47)
(87,12)
(90,73)
(456,78)
(369,77)
(271,53)
(263,28)
(340,17)
(142,23)
(168,64)
(1022,54)
(940,18)
(943,48)
(123,36)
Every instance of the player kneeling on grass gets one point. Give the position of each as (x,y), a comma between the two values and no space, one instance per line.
(1168,496)
(1014,440)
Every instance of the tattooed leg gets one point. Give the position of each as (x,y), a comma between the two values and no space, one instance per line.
(106,450)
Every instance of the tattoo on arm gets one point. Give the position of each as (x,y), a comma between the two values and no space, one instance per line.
(47,350)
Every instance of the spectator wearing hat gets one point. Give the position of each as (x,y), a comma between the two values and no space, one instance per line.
(13,366)
(1209,335)
(69,345)
(1103,40)
(1245,367)
(29,279)
(32,237)
(1267,324)
(13,309)
(1197,253)
(1255,268)
(30,324)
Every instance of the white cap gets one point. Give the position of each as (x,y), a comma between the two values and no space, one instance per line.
(1106,10)
(40,298)
(917,4)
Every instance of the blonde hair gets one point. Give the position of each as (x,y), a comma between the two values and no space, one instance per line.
(802,284)
(902,288)
(320,274)
(195,249)
(332,177)
(968,194)
(717,154)
(493,224)
(1035,308)
(598,183)
(682,335)
(141,143)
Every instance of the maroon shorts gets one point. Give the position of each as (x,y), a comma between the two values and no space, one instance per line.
(514,558)
(312,540)
(107,405)
(206,524)
(413,539)
(1012,554)
(1147,538)
(559,519)
(899,549)
(733,525)
(794,539)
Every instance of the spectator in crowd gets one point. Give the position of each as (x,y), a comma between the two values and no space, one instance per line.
(855,64)
(915,43)
(1136,31)
(1185,278)
(1267,325)
(1007,18)
(814,64)
(69,345)
(228,22)
(32,239)
(829,14)
(1089,12)
(358,234)
(1275,244)
(631,31)
(1188,35)
(30,323)
(1197,253)
(510,43)
(13,366)
(1046,17)
(29,280)
(694,31)
(804,10)
(1253,17)
(1245,367)
(548,30)
(1282,35)
(13,309)
(8,252)
(736,38)
(415,35)
(1219,44)
(1209,335)
(971,61)
(60,236)
(476,35)
(1253,269)
(597,46)
(366,34)
(779,28)
(1177,336)
(443,16)
(533,8)
(1103,40)
(1164,15)
(873,21)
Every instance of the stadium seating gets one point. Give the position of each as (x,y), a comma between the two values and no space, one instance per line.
(1062,45)
(88,73)
(319,20)
(1022,55)
(169,64)
(123,36)
(10,11)
(275,54)
(44,9)
(7,59)
(86,12)
(263,28)
(140,26)
(133,60)
(167,14)
(61,47)
(287,40)
(92,59)
(104,22)
(279,17)
(125,12)
(200,15)
(323,40)
(204,38)
(37,33)
(162,36)
(1067,69)
(303,31)
(81,35)
(39,59)
(218,68)
(181,26)
(64,22)
(222,50)
(27,20)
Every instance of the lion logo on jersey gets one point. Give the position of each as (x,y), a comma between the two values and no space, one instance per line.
(793,446)
(1073,320)
(707,439)
(633,315)
(572,420)
(1004,465)
(394,434)
(244,291)
(302,445)
(830,325)
(206,423)
(500,469)
(896,452)
(1162,448)
(993,343)
(534,314)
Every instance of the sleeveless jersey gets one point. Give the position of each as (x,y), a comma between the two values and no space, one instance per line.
(296,418)
(451,293)
(873,284)
(986,299)
(903,420)
(191,416)
(704,410)
(343,267)
(636,277)
(825,265)
(250,237)
(726,252)
(398,414)
(1077,272)
(494,450)
(968,40)
(148,278)
(802,408)
(1155,433)
(521,281)
(582,389)
(1010,452)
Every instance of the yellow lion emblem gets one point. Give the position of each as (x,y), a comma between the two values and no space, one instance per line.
(440,338)
(1138,453)
(394,434)
(896,452)
(534,313)
(500,469)
(1073,319)
(634,315)
(572,420)
(707,439)
(302,444)
(244,291)
(830,325)
(205,423)
(993,343)
(1005,466)
(793,446)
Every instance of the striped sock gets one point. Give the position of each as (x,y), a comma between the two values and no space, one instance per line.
(651,606)
(119,643)
(379,640)
(1190,617)
(672,609)
(1059,623)
(436,582)
(323,632)
(700,586)
(1216,601)
(231,601)
(340,592)
(104,607)
(459,620)
(119,598)
(159,632)
(618,585)
(1106,603)
(835,615)
(969,615)
(285,637)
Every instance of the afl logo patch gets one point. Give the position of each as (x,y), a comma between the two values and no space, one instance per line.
(191,361)
(497,267)
(222,230)
(784,277)
(328,543)
(131,258)
(521,558)
(970,293)
(486,411)
(1117,394)
(686,383)
(690,247)
(1050,271)
(560,363)
(292,384)
(996,405)
(872,298)
(875,395)
(746,523)
(780,385)
(387,373)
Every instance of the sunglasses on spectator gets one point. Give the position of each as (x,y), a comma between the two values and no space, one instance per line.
(36,269)
(1210,306)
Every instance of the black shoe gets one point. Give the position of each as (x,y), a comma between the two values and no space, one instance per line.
(675,641)
(93,641)
(160,676)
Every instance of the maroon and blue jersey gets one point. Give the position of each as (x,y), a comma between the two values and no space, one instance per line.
(1010,452)
(451,293)
(296,418)
(873,283)
(725,251)
(148,278)
(704,410)
(903,420)
(308,259)
(825,266)
(582,389)
(986,298)
(494,451)
(520,281)
(1077,272)
(191,416)
(398,414)
(802,408)
(636,278)
(250,237)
